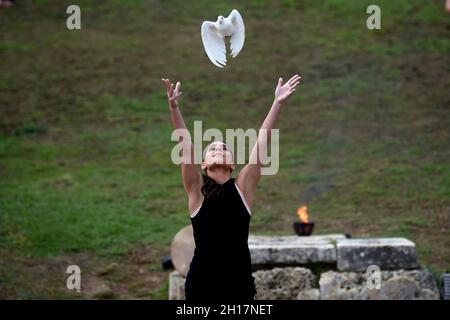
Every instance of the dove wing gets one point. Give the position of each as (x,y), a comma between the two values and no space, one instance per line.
(238,36)
(214,44)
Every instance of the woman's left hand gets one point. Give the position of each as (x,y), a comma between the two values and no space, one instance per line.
(283,91)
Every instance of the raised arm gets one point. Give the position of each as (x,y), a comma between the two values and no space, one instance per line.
(249,176)
(189,170)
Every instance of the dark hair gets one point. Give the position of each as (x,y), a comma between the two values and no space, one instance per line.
(211,190)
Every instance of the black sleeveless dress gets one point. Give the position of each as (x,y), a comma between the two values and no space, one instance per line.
(221,268)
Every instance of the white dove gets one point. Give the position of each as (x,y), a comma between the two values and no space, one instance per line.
(214,33)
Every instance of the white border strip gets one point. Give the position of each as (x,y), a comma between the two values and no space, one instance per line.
(243,199)
(196,211)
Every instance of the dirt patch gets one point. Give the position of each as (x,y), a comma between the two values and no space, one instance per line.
(136,275)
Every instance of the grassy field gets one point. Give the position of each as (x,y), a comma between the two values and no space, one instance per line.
(85,170)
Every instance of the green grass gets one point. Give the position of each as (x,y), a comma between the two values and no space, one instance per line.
(85,129)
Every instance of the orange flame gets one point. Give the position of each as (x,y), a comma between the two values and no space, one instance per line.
(302,213)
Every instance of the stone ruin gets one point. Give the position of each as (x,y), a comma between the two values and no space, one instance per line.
(332,267)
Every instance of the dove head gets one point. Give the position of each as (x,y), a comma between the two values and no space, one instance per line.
(217,154)
(225,26)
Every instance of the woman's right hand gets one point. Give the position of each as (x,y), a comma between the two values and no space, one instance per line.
(173,92)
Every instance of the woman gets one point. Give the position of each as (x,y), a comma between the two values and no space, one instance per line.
(220,207)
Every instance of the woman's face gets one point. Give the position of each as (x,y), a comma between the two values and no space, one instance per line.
(218,153)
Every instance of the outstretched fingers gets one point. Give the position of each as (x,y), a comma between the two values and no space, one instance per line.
(173,91)
(294,79)
(167,84)
(295,84)
(292,89)
(178,90)
(177,95)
